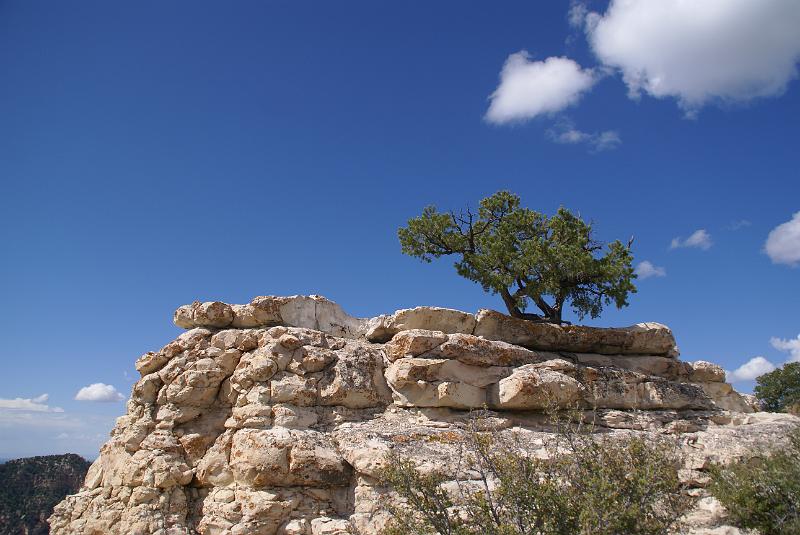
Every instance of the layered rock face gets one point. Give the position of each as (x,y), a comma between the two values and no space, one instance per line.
(275,417)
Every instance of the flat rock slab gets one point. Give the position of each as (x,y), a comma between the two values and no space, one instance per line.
(317,312)
(640,339)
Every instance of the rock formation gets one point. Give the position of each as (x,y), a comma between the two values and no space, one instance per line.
(274,417)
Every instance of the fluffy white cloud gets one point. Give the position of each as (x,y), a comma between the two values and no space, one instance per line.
(699,239)
(699,51)
(646,269)
(530,88)
(783,242)
(565,132)
(791,346)
(37,404)
(98,392)
(750,370)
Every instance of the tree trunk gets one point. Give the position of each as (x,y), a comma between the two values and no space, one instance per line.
(510,303)
(551,314)
(557,308)
(548,311)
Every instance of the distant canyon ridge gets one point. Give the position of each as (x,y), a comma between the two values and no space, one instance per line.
(31,487)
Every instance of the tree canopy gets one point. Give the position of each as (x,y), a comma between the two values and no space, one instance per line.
(526,256)
(779,390)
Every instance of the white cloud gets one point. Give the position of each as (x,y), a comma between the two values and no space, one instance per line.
(26,433)
(699,51)
(29,426)
(783,242)
(85,437)
(791,346)
(577,14)
(37,404)
(530,88)
(740,224)
(606,140)
(699,239)
(645,269)
(565,132)
(98,392)
(750,370)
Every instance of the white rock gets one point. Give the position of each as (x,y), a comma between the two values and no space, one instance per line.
(725,397)
(428,318)
(706,372)
(480,352)
(531,387)
(212,314)
(278,417)
(417,382)
(293,417)
(641,339)
(666,367)
(413,343)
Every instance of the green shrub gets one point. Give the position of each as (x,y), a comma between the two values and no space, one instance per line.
(762,494)
(589,484)
(779,390)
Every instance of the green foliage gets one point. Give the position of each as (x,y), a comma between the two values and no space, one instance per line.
(762,494)
(590,485)
(31,487)
(779,390)
(526,256)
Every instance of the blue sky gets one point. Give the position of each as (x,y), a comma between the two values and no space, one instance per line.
(154,153)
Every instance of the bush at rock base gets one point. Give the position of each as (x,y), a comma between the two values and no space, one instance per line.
(583,484)
(763,494)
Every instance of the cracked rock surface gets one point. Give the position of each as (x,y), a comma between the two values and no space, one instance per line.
(274,417)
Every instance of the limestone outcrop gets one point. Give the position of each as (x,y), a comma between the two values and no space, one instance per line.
(274,417)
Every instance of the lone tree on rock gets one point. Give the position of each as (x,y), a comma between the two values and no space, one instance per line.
(526,256)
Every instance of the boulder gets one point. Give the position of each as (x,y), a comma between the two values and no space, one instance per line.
(666,367)
(753,402)
(477,351)
(295,389)
(725,397)
(151,362)
(413,343)
(290,416)
(357,381)
(623,389)
(281,457)
(639,339)
(383,328)
(532,387)
(311,312)
(421,382)
(212,314)
(197,386)
(706,372)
